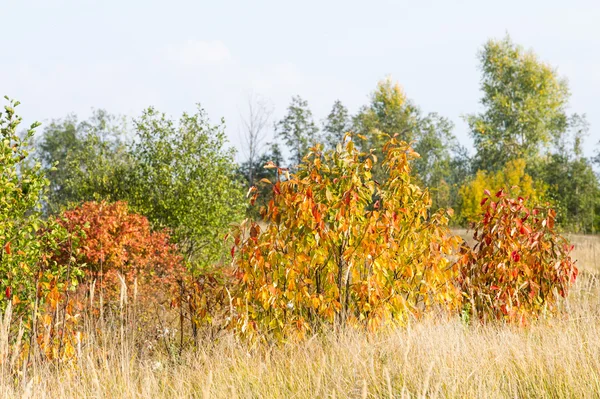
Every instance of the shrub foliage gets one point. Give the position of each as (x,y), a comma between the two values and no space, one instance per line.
(340,247)
(113,242)
(519,265)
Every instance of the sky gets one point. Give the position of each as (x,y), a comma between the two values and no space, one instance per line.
(68,56)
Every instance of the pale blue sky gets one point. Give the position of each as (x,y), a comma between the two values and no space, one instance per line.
(59,57)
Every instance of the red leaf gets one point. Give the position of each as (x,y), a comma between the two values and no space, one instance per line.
(500,193)
(8,292)
(483,201)
(525,230)
(487,192)
(232,252)
(494,287)
(7,248)
(515,256)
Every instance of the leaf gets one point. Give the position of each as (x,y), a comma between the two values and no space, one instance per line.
(7,248)
(515,256)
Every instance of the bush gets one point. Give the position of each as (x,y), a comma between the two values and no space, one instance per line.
(339,247)
(116,244)
(519,266)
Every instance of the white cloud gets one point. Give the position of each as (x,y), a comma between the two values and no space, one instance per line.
(199,52)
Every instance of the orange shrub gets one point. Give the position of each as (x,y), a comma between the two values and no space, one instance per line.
(340,247)
(114,241)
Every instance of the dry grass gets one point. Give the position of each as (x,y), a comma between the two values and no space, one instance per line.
(558,358)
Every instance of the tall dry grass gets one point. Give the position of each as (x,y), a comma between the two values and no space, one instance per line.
(443,358)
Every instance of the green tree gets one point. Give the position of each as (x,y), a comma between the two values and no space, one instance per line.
(524,103)
(336,125)
(571,181)
(434,165)
(297,129)
(185,179)
(389,113)
(86,160)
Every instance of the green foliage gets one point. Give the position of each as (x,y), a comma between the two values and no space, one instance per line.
(85,161)
(389,111)
(184,179)
(513,175)
(30,278)
(330,254)
(572,184)
(434,167)
(519,265)
(524,106)
(297,129)
(336,125)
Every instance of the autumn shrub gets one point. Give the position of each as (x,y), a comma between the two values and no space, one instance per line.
(338,247)
(519,266)
(121,252)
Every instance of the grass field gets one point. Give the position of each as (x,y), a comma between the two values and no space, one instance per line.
(434,358)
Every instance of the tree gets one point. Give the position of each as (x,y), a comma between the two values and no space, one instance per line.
(513,176)
(572,184)
(389,112)
(255,125)
(336,125)
(433,167)
(85,161)
(184,179)
(524,106)
(297,129)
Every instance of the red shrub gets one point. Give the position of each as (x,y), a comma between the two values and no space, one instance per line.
(519,265)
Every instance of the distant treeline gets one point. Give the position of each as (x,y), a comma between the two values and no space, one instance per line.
(182,175)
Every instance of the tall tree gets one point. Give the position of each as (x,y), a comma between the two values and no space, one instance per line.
(297,129)
(572,184)
(389,112)
(435,146)
(336,124)
(255,124)
(185,180)
(85,160)
(524,104)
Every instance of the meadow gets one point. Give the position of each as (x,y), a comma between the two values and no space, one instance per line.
(437,358)
(144,261)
